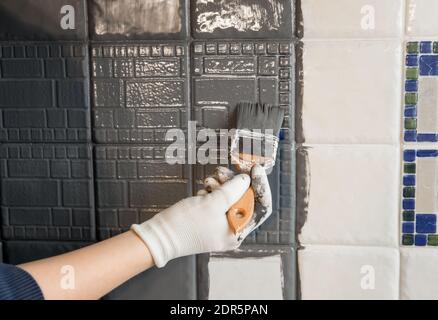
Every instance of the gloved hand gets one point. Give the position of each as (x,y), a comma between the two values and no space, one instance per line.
(199,224)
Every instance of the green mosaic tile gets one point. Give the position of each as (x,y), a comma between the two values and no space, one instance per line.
(409,192)
(408,215)
(408,239)
(432,240)
(410,123)
(435,47)
(410,168)
(411,98)
(412,73)
(413,47)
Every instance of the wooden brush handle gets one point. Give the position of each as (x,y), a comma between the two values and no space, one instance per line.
(240,213)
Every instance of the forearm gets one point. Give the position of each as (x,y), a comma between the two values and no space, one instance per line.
(95,270)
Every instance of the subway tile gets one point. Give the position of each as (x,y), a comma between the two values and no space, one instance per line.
(137,20)
(36,20)
(177,281)
(352,19)
(351,92)
(348,272)
(47,192)
(417,274)
(139,91)
(348,195)
(44,93)
(242,19)
(420,18)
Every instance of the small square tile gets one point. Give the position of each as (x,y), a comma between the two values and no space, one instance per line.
(420,18)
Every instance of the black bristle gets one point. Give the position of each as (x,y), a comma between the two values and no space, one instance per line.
(259,116)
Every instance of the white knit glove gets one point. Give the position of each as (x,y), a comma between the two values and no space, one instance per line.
(199,224)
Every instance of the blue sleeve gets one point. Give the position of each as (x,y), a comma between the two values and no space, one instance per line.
(17,284)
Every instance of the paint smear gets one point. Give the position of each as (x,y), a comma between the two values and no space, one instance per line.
(242,15)
(130,17)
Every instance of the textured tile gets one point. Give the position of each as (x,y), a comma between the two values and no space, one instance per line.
(147,19)
(177,281)
(420,18)
(133,183)
(348,195)
(47,192)
(418,273)
(36,20)
(44,92)
(420,93)
(139,91)
(419,204)
(362,105)
(252,273)
(354,273)
(242,19)
(352,18)
(16,252)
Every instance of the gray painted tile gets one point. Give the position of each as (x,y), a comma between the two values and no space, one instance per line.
(47,192)
(44,92)
(288,258)
(139,91)
(41,20)
(137,20)
(176,281)
(133,183)
(225,19)
(16,252)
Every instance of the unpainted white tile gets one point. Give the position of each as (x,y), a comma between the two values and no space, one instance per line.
(245,278)
(426,186)
(347,272)
(352,195)
(352,18)
(427,105)
(421,18)
(352,92)
(419,276)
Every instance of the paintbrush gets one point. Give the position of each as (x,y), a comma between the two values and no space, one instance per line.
(255,141)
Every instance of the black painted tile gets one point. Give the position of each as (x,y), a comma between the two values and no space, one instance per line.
(133,183)
(176,281)
(16,252)
(47,192)
(43,20)
(139,91)
(1,252)
(137,20)
(44,92)
(231,19)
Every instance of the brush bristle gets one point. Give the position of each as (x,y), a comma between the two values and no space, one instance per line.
(259,116)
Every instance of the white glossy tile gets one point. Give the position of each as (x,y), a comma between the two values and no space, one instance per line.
(245,278)
(352,92)
(337,272)
(350,194)
(419,276)
(421,18)
(352,18)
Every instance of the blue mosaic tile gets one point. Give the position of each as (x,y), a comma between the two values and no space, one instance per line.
(427,137)
(409,155)
(425,223)
(408,227)
(410,111)
(420,240)
(408,204)
(426,47)
(410,136)
(427,153)
(412,60)
(409,180)
(428,65)
(411,86)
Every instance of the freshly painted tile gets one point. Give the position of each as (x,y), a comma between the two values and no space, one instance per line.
(418,273)
(1,252)
(139,91)
(351,92)
(133,183)
(352,18)
(177,281)
(421,19)
(44,92)
(348,272)
(146,19)
(36,20)
(16,252)
(247,279)
(47,192)
(348,194)
(419,203)
(242,19)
